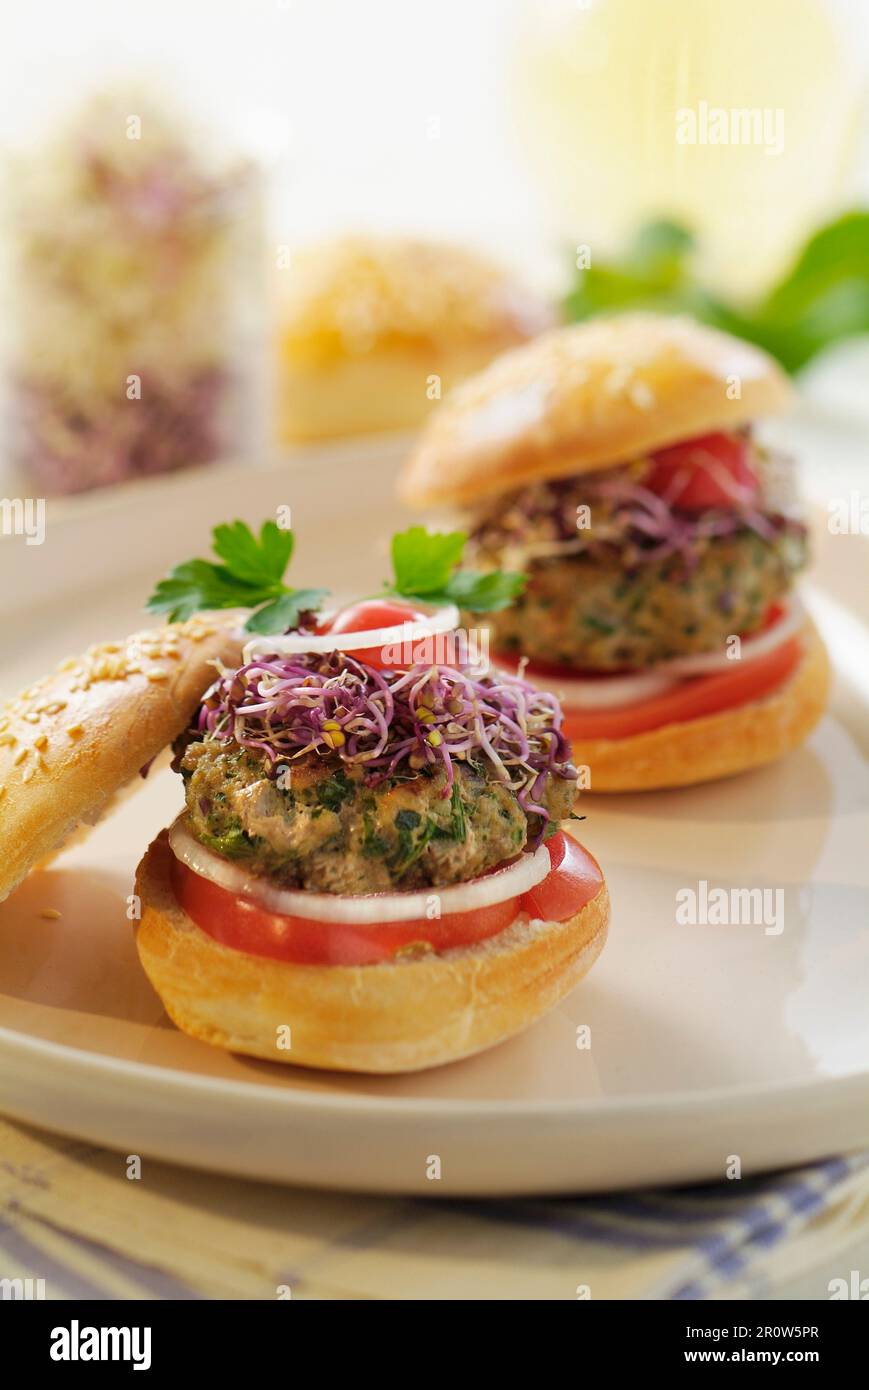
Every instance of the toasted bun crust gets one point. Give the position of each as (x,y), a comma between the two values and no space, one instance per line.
(719,745)
(373,1018)
(365,322)
(70,741)
(586,397)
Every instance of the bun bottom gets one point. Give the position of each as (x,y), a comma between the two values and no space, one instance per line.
(389,1017)
(718,745)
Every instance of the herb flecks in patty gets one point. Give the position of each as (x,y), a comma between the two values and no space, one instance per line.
(402,833)
(385,724)
(642,583)
(587,613)
(330,775)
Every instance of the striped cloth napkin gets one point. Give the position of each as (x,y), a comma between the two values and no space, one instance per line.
(731,1240)
(70,1216)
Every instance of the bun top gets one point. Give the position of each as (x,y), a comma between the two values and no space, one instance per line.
(73,739)
(586,397)
(350,297)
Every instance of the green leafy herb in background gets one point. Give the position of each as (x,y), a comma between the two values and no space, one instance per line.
(823,298)
(251,576)
(425,566)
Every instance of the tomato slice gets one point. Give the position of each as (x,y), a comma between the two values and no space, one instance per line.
(689,474)
(573,881)
(242,924)
(690,699)
(368,615)
(774,614)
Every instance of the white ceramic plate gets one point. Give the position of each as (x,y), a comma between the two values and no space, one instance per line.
(706,1041)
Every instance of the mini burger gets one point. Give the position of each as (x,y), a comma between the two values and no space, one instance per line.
(372,329)
(616,465)
(369,872)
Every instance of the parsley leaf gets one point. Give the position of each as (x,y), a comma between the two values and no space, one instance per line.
(484,593)
(260,561)
(425,566)
(284,612)
(423,561)
(198,584)
(251,576)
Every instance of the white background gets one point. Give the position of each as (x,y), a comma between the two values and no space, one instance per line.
(339,95)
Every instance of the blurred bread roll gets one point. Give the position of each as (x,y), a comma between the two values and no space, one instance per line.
(372,331)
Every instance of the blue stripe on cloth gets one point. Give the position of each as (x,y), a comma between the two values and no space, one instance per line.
(60,1280)
(579,1225)
(724,1227)
(690,1293)
(150,1277)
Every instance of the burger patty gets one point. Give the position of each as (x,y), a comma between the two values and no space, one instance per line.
(586,610)
(319,827)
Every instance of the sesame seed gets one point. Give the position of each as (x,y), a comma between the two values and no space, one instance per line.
(641,395)
(75,730)
(40,741)
(20,755)
(28,773)
(618,379)
(50,914)
(157,674)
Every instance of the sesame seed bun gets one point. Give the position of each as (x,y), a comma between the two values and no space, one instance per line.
(717,745)
(390,1017)
(365,323)
(590,396)
(72,740)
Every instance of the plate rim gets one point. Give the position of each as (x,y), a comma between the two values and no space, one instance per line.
(182,1080)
